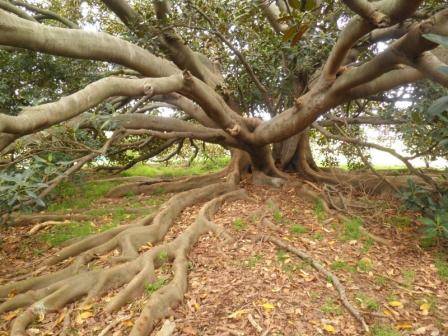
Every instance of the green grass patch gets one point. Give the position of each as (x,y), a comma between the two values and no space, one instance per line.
(80,196)
(319,210)
(61,233)
(384,330)
(367,302)
(364,265)
(298,229)
(400,221)
(252,261)
(278,216)
(352,229)
(442,268)
(198,168)
(239,224)
(156,285)
(342,265)
(330,307)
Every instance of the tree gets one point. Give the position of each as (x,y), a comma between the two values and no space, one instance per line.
(316,68)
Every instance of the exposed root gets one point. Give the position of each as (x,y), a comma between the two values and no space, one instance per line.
(319,267)
(176,185)
(51,292)
(22,220)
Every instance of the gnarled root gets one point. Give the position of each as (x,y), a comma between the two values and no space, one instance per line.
(53,291)
(176,185)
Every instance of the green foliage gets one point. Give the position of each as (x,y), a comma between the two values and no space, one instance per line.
(282,255)
(330,307)
(298,229)
(442,268)
(239,224)
(253,260)
(319,210)
(367,302)
(162,256)
(364,265)
(61,233)
(384,330)
(352,229)
(156,285)
(68,194)
(277,215)
(20,185)
(434,207)
(198,168)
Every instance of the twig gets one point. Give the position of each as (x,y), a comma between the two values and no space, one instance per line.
(318,266)
(113,324)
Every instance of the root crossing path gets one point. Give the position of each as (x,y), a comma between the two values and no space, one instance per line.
(195,262)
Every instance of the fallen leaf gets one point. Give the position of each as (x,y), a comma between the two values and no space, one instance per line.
(267,306)
(329,328)
(238,314)
(83,316)
(403,326)
(396,304)
(424,308)
(11,315)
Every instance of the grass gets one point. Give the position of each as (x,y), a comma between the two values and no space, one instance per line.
(330,307)
(400,221)
(364,265)
(198,168)
(319,210)
(282,255)
(79,196)
(298,229)
(162,256)
(352,229)
(384,330)
(442,268)
(239,224)
(252,261)
(341,265)
(156,285)
(61,233)
(367,302)
(278,216)
(408,277)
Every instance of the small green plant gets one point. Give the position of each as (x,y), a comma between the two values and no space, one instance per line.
(253,260)
(364,265)
(330,307)
(442,268)
(298,229)
(367,302)
(408,277)
(155,286)
(162,256)
(282,255)
(367,244)
(400,221)
(381,280)
(239,224)
(384,330)
(352,229)
(319,210)
(342,265)
(278,216)
(318,236)
(61,233)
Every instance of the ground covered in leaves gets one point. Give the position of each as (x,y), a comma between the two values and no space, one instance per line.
(249,287)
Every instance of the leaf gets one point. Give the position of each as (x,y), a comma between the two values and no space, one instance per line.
(289,33)
(294,4)
(300,33)
(425,308)
(238,314)
(267,306)
(403,326)
(396,304)
(439,39)
(310,4)
(329,328)
(83,316)
(11,315)
(439,106)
